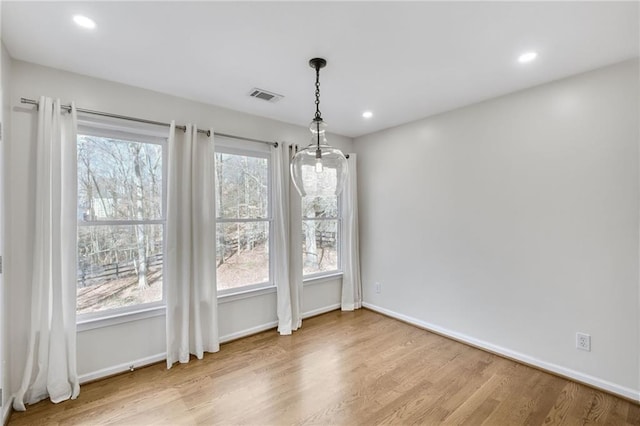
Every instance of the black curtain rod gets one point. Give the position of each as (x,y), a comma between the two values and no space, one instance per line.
(142,120)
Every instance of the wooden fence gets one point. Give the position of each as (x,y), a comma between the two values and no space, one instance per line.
(89,275)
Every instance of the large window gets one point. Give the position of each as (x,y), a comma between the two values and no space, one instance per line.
(243,214)
(320,235)
(121,219)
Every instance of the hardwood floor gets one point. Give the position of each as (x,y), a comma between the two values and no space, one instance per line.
(351,368)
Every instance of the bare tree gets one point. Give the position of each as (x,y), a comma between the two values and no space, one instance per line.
(221,247)
(141,262)
(310,242)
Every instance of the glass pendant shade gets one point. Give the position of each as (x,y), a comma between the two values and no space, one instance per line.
(315,177)
(319,169)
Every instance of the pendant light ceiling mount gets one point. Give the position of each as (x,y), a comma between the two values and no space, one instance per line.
(317,63)
(328,163)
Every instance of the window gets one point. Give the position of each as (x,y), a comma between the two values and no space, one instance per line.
(243,215)
(121,219)
(320,235)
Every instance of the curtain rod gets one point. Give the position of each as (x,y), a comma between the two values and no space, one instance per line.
(142,120)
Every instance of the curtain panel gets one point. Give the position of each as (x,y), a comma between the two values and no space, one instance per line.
(288,236)
(192,305)
(50,369)
(351,282)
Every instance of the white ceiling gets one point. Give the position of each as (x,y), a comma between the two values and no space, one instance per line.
(401,60)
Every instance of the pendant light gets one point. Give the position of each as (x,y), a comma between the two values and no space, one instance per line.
(319,169)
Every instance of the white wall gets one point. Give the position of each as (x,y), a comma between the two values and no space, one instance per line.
(513,224)
(5,70)
(110,349)
(5,63)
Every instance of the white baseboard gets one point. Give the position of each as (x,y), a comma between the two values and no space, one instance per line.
(274,324)
(110,371)
(633,394)
(6,411)
(248,332)
(320,311)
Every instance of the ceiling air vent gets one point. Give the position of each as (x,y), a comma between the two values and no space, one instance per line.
(265,95)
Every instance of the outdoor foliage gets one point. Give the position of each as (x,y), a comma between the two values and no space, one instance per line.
(121,223)
(320,234)
(242,232)
(120,189)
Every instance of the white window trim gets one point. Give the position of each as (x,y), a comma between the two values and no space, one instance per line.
(250,149)
(158,309)
(245,293)
(108,128)
(114,317)
(322,277)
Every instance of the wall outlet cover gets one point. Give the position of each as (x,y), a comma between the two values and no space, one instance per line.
(583,341)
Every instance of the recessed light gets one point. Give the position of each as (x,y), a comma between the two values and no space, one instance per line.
(84,22)
(367,114)
(527,57)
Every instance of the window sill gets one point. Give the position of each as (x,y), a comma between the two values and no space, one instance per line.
(245,294)
(156,311)
(120,318)
(317,279)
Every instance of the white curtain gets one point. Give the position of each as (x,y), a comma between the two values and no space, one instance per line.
(287,241)
(351,283)
(192,305)
(51,358)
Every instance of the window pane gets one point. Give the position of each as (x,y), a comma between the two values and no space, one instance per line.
(118,179)
(242,186)
(242,254)
(118,266)
(320,183)
(319,246)
(320,206)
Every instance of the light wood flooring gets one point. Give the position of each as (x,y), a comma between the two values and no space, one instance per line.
(348,368)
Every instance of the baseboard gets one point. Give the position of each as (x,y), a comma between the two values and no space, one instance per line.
(110,371)
(248,332)
(116,369)
(320,311)
(6,411)
(273,324)
(622,391)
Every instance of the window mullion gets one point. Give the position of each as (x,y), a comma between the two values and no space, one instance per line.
(227,220)
(121,222)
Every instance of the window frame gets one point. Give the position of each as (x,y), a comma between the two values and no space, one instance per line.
(248,148)
(127,131)
(338,218)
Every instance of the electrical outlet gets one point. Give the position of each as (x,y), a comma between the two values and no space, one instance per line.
(583,342)
(378,288)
